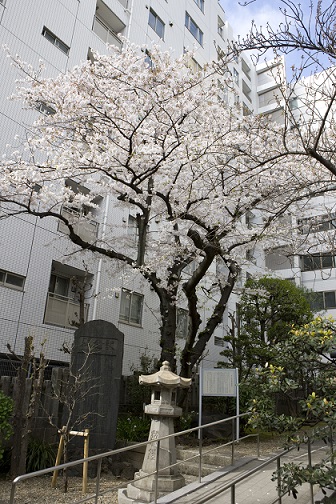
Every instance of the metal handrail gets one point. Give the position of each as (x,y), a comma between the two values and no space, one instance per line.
(111,453)
(222,488)
(232,485)
(204,499)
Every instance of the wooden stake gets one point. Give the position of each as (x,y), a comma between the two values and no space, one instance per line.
(58,460)
(85,435)
(85,464)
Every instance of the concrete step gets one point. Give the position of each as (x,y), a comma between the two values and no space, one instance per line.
(208,457)
(194,490)
(189,461)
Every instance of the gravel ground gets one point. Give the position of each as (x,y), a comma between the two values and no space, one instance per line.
(39,491)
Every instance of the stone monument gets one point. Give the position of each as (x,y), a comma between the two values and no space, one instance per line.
(162,410)
(97,355)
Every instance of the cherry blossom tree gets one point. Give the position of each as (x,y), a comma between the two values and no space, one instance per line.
(308,98)
(158,140)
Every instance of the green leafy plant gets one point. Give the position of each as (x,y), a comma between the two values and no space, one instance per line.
(6,408)
(40,455)
(133,428)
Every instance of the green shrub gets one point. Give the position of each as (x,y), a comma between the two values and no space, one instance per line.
(133,428)
(6,408)
(40,455)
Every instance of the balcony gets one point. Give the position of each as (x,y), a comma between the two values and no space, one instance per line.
(62,311)
(105,33)
(84,227)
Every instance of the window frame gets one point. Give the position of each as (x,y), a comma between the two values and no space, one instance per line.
(314,262)
(5,283)
(319,300)
(44,109)
(236,76)
(56,41)
(188,23)
(200,5)
(157,22)
(127,318)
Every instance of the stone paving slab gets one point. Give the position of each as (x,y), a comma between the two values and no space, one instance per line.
(256,489)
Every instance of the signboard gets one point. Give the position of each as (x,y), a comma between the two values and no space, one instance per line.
(219,382)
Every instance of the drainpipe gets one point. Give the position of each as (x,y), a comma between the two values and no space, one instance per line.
(130,12)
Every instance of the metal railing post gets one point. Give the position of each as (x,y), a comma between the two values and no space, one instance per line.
(233,494)
(310,465)
(99,465)
(233,443)
(332,444)
(12,494)
(200,447)
(279,480)
(156,492)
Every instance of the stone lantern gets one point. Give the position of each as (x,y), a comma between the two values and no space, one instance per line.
(162,410)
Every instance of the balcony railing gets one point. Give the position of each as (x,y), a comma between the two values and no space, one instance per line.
(62,311)
(105,33)
(124,3)
(86,228)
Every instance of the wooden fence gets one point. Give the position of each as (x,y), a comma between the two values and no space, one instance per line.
(49,410)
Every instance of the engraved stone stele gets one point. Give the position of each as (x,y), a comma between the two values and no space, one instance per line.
(97,361)
(162,410)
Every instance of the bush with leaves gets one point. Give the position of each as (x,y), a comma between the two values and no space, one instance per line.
(40,455)
(133,428)
(268,309)
(304,363)
(6,408)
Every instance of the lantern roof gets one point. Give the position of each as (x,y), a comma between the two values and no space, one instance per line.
(165,377)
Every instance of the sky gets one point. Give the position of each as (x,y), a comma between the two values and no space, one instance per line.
(240,17)
(262,12)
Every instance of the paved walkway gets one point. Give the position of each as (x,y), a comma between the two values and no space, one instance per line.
(256,489)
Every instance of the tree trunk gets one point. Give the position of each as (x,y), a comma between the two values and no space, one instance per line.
(168,329)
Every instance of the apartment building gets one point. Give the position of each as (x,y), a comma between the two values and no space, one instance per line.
(41,279)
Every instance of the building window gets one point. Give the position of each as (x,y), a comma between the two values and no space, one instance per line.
(45,109)
(318,223)
(156,23)
(194,66)
(278,259)
(132,227)
(246,110)
(236,76)
(317,261)
(193,28)
(200,4)
(322,300)
(55,40)
(246,69)
(131,305)
(181,323)
(11,280)
(68,287)
(220,27)
(219,341)
(148,59)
